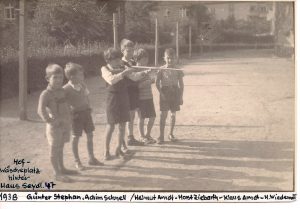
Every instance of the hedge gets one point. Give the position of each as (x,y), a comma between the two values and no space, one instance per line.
(36,72)
(9,72)
(9,75)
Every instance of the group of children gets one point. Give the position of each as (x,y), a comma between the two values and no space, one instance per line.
(66,109)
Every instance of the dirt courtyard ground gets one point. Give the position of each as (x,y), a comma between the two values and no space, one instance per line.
(236,131)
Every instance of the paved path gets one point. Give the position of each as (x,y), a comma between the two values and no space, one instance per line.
(236,131)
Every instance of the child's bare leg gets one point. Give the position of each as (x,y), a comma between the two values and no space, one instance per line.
(75,141)
(109,131)
(61,162)
(54,156)
(150,126)
(124,144)
(90,145)
(141,124)
(56,153)
(172,122)
(162,124)
(129,127)
(90,148)
(121,136)
(130,123)
(131,140)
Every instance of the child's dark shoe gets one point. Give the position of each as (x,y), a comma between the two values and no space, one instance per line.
(95,162)
(151,140)
(79,166)
(69,172)
(145,140)
(121,154)
(127,151)
(107,157)
(160,141)
(133,142)
(172,138)
(63,178)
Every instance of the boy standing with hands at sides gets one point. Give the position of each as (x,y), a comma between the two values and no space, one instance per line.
(117,100)
(170,85)
(146,104)
(127,49)
(77,97)
(54,110)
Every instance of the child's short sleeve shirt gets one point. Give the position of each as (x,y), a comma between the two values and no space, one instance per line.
(169,77)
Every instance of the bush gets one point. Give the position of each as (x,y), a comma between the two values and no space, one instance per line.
(36,72)
(91,62)
(38,51)
(9,69)
(36,67)
(139,26)
(234,36)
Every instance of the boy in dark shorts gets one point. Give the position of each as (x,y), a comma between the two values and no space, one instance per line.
(117,99)
(146,104)
(127,49)
(170,85)
(54,110)
(77,97)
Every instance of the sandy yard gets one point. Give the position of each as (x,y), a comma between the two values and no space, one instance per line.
(236,131)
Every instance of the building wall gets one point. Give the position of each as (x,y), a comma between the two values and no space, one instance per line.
(284,28)
(242,10)
(3,5)
(170,12)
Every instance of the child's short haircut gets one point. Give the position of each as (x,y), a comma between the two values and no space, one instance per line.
(170,52)
(126,43)
(72,68)
(111,54)
(53,69)
(139,54)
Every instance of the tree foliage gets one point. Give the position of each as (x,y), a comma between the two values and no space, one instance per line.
(139,26)
(71,20)
(198,14)
(9,30)
(198,17)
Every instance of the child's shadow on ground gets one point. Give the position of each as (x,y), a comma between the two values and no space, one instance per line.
(201,165)
(272,156)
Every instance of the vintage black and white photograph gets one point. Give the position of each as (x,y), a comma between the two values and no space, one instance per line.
(175,96)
